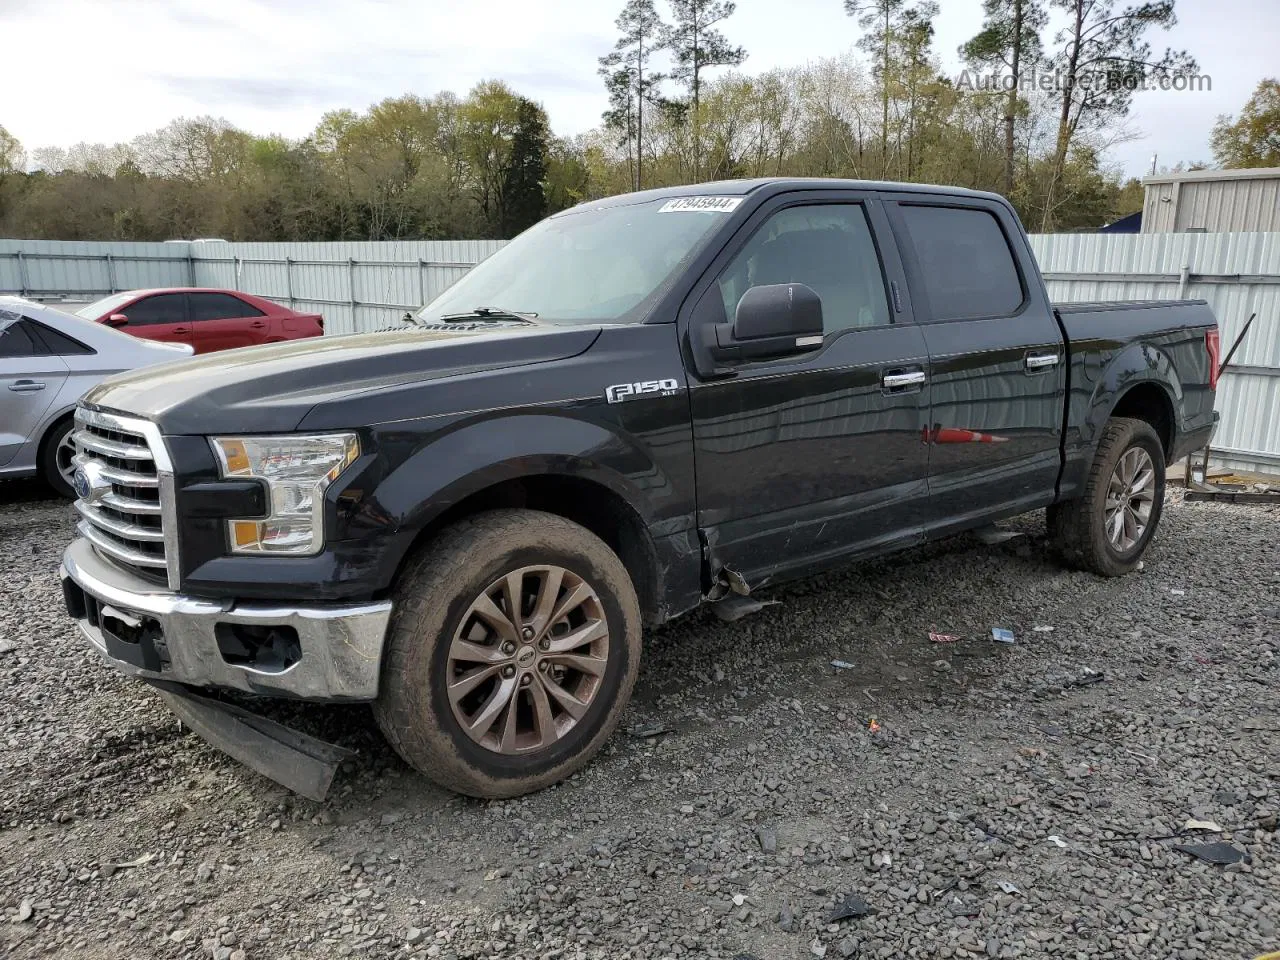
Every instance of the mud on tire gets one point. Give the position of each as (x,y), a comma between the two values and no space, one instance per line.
(438,640)
(1078,529)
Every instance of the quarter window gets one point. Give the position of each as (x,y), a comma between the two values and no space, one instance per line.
(966,267)
(825,246)
(17,338)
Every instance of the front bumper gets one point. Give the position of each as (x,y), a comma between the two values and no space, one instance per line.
(147,632)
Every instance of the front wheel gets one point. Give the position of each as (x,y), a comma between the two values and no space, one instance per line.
(511,655)
(1107,530)
(56,453)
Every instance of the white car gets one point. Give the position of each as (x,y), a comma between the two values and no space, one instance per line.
(48,359)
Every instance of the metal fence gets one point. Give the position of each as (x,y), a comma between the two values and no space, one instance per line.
(362,286)
(1237,273)
(357,286)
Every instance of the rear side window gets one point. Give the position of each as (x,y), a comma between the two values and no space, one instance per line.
(966,266)
(17,338)
(162,308)
(220,306)
(59,343)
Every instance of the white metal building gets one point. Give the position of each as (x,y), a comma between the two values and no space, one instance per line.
(1212,201)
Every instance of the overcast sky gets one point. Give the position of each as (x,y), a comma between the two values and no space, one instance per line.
(107,70)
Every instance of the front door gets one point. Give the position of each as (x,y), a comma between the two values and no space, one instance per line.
(805,460)
(161,316)
(996,354)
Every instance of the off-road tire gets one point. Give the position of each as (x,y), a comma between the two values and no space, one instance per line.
(47,458)
(1077,528)
(435,590)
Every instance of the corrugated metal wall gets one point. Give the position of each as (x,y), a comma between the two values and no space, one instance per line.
(1238,273)
(357,286)
(1234,205)
(362,286)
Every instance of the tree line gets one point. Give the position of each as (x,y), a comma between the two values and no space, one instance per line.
(681,108)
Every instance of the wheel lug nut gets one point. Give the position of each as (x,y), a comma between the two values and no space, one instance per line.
(544,644)
(543,666)
(508,671)
(526,680)
(508,648)
(527,633)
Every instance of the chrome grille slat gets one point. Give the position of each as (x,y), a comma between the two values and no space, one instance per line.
(132,521)
(126,478)
(127,531)
(118,550)
(84,440)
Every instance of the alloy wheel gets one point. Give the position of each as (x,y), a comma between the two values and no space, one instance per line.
(527,659)
(1131,495)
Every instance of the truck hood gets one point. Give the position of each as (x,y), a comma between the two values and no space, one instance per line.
(270,389)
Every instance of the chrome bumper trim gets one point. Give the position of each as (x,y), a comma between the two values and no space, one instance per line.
(341,644)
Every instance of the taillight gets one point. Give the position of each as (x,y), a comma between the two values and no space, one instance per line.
(1213,347)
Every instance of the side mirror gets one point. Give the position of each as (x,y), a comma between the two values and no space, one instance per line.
(774,320)
(117,320)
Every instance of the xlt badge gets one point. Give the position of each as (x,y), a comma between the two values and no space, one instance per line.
(620,391)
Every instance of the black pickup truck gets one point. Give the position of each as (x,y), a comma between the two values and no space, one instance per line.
(639,405)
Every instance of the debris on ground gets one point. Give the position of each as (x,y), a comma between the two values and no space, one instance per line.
(850,907)
(735,607)
(1220,853)
(644,731)
(943,638)
(842,664)
(768,838)
(1058,842)
(1007,887)
(1001,635)
(992,535)
(1043,628)
(1207,826)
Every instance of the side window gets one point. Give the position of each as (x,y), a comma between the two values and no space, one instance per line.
(162,308)
(58,343)
(220,306)
(825,246)
(17,338)
(966,266)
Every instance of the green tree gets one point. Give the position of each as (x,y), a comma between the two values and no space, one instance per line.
(1009,40)
(1104,57)
(697,45)
(628,78)
(524,199)
(879,21)
(1253,138)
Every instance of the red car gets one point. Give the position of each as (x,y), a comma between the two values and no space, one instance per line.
(207,319)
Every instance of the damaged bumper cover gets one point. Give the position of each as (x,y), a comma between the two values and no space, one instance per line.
(319,652)
(316,652)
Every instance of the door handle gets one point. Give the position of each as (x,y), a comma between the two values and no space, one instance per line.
(181,329)
(896,381)
(1042,361)
(258,324)
(26,386)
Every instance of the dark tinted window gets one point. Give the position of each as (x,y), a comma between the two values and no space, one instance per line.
(966,265)
(220,306)
(162,308)
(827,247)
(16,339)
(59,344)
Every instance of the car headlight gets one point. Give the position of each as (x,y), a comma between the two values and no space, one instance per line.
(297,468)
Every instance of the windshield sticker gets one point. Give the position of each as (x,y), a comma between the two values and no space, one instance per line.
(701,204)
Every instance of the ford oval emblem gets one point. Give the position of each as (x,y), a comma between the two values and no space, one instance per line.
(89,483)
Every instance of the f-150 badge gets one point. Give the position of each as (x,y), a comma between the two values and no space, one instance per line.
(621,391)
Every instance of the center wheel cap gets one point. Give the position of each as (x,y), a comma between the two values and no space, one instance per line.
(525,657)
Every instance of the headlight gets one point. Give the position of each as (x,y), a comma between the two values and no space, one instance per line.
(297,468)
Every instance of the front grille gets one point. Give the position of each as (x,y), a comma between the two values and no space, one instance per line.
(122,511)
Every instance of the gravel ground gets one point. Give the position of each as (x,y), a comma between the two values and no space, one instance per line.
(954,800)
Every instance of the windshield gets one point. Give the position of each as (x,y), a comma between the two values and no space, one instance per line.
(590,266)
(105,306)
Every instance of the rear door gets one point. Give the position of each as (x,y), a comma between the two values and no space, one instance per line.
(221,321)
(30,377)
(161,316)
(997,364)
(806,459)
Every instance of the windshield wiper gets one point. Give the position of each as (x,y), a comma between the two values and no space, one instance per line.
(489,313)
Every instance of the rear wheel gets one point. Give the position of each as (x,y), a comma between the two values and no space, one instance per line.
(511,655)
(1107,530)
(56,468)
